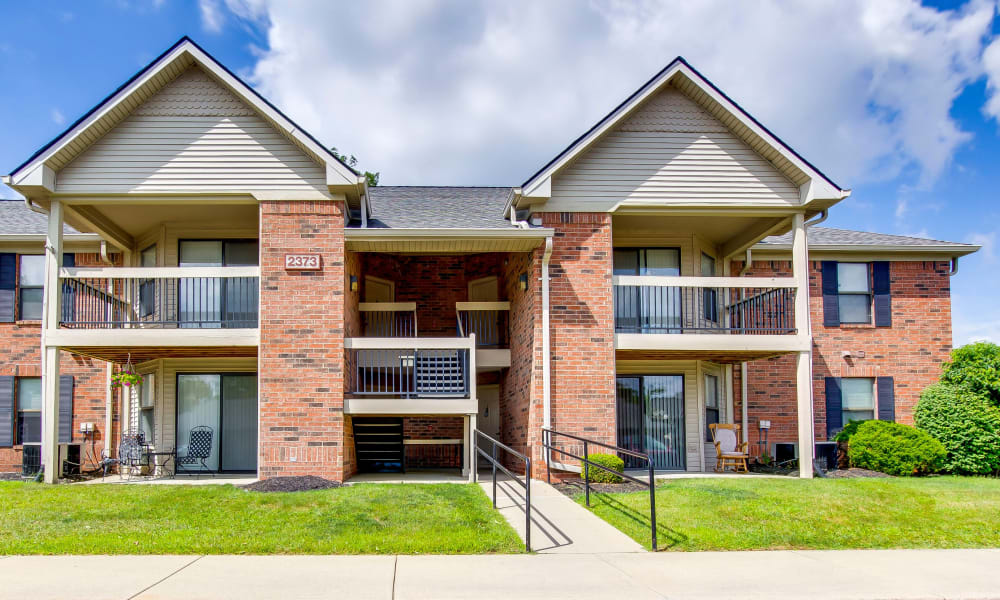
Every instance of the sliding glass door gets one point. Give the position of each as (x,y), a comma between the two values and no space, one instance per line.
(213,302)
(226,404)
(650,413)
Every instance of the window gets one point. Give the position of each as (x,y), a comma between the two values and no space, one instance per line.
(31,281)
(147,287)
(647,261)
(710,296)
(854,292)
(28,399)
(858,399)
(146,394)
(712,410)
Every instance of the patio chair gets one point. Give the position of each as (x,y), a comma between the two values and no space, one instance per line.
(729,451)
(131,453)
(197,451)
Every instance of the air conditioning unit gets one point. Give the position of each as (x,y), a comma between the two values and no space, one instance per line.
(69,458)
(824,453)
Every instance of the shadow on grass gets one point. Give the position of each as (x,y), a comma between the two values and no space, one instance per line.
(672,536)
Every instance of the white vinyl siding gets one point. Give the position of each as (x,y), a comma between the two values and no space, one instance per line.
(193,135)
(671,149)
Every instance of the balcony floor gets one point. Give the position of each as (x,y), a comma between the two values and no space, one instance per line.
(716,356)
(120,354)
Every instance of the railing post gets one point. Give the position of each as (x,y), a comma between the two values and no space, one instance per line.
(652,500)
(586,471)
(475,456)
(527,502)
(547,449)
(494,463)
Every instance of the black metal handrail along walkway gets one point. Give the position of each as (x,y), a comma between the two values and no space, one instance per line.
(492,458)
(587,463)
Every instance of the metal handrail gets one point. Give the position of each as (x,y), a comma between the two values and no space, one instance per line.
(492,458)
(587,463)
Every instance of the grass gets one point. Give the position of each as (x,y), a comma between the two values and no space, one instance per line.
(772,514)
(209,519)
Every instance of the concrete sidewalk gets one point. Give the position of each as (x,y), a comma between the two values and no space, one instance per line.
(817,575)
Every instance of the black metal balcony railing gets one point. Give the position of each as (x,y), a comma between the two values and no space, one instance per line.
(410,373)
(389,319)
(159,302)
(487,320)
(686,309)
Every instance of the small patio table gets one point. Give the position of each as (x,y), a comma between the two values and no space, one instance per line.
(168,455)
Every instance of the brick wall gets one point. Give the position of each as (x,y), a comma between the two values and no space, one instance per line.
(434,282)
(433,428)
(302,428)
(21,344)
(582,325)
(911,351)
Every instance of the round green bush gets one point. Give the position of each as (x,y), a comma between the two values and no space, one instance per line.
(966,423)
(845,434)
(895,449)
(598,475)
(975,367)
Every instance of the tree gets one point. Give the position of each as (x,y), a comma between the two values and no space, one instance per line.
(966,423)
(352,161)
(976,367)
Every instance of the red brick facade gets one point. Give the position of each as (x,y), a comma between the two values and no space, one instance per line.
(301,356)
(911,351)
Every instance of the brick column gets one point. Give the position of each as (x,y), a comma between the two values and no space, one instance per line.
(301,356)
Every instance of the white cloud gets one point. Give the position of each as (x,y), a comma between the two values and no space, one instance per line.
(988,241)
(57,116)
(450,91)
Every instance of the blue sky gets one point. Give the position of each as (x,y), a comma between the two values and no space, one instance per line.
(892,98)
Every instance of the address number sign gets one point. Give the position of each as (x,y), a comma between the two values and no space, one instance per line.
(302,262)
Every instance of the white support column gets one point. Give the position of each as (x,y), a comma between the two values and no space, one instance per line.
(467,436)
(52,303)
(470,449)
(803,360)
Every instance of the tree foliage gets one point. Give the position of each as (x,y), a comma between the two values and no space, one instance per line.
(966,423)
(352,161)
(976,367)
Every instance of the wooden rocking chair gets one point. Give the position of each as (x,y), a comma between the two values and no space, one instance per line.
(729,451)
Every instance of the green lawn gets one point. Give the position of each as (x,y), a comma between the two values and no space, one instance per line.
(769,514)
(175,519)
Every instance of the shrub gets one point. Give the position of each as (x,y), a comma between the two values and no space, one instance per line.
(966,423)
(845,434)
(895,449)
(598,475)
(975,367)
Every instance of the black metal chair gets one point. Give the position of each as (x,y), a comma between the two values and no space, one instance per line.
(132,453)
(198,450)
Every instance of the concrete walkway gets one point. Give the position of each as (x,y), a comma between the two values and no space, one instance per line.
(852,574)
(558,525)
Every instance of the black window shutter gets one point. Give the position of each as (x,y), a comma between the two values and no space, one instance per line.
(65,409)
(834,406)
(886,398)
(8,285)
(883,297)
(831,306)
(6,411)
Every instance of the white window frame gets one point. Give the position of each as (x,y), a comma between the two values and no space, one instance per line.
(869,294)
(843,399)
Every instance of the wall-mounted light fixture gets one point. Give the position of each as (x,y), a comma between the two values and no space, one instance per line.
(523,280)
(354,283)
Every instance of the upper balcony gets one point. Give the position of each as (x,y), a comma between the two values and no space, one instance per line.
(110,311)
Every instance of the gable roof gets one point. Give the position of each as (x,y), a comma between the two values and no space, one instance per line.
(141,86)
(827,238)
(438,207)
(706,93)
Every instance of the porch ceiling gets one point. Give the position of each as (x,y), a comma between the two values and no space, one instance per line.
(143,354)
(716,356)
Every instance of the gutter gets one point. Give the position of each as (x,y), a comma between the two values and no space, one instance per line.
(954,267)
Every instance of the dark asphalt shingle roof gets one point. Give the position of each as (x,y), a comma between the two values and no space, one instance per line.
(826,236)
(433,207)
(18,219)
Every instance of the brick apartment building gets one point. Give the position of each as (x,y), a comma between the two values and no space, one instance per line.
(651,279)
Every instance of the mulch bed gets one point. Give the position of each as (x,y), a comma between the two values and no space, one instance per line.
(853,473)
(574,487)
(10,477)
(302,483)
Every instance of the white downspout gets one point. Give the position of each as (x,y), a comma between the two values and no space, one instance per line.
(747,263)
(546,358)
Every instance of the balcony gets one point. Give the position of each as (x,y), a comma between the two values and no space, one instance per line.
(136,308)
(747,316)
(411,375)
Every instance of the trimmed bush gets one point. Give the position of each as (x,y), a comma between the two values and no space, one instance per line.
(600,475)
(975,367)
(966,423)
(895,449)
(845,434)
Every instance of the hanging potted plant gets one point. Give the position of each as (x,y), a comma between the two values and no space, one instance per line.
(126,376)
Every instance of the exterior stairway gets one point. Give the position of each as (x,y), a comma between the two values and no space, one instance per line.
(378,443)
